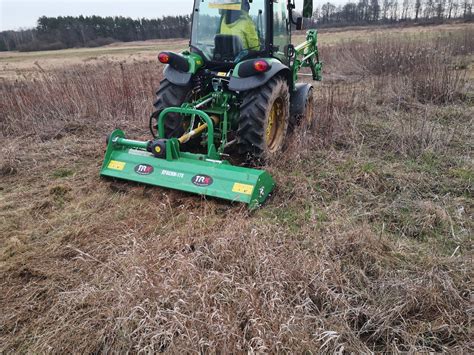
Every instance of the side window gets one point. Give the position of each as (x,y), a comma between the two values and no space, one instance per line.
(281,36)
(256,13)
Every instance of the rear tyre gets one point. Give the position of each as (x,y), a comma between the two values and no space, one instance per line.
(263,122)
(171,95)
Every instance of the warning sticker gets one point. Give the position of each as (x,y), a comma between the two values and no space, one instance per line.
(116,165)
(242,188)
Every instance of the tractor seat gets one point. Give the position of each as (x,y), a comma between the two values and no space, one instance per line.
(227,47)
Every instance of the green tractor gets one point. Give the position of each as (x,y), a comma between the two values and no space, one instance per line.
(233,93)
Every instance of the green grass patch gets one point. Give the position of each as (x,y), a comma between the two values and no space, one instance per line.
(368,168)
(466,174)
(62,173)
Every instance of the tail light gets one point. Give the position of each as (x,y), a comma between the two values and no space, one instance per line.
(261,66)
(176,61)
(164,58)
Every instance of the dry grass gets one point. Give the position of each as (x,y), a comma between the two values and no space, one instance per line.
(103,94)
(365,245)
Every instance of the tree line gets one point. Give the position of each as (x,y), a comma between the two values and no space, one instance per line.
(392,11)
(68,32)
(92,31)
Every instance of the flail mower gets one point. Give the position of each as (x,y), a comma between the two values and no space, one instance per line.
(233,93)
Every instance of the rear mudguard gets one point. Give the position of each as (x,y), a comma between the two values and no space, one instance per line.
(177,77)
(181,67)
(255,81)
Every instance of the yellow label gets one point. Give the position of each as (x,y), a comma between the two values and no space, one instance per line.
(243,188)
(116,165)
(222,73)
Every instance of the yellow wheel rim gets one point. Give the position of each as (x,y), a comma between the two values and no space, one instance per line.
(275,125)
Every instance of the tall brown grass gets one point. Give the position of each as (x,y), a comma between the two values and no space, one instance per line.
(425,69)
(108,93)
(421,69)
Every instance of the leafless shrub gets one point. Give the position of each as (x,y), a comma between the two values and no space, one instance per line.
(336,109)
(101,41)
(462,43)
(427,64)
(9,163)
(41,46)
(415,134)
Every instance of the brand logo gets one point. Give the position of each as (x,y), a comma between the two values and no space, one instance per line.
(202,180)
(144,169)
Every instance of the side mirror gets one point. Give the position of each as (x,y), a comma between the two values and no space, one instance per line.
(308,8)
(299,23)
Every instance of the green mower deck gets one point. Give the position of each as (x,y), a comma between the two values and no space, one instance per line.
(129,160)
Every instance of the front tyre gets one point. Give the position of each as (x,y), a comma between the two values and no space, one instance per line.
(307,121)
(264,118)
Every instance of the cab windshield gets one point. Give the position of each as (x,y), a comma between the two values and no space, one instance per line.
(227,30)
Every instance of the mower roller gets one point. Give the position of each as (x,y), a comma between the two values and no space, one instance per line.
(234,91)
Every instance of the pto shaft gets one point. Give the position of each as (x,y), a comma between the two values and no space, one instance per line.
(195,132)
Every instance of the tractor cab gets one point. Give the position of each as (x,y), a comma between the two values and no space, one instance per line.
(229,31)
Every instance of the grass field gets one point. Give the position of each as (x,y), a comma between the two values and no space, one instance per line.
(366,244)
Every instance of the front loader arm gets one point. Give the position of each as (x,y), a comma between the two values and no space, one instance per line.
(307,56)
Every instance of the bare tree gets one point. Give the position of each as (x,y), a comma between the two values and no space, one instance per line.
(417,9)
(429,9)
(456,7)
(394,12)
(385,8)
(327,10)
(467,6)
(440,7)
(405,8)
(449,8)
(375,9)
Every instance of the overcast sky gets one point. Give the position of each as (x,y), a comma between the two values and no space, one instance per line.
(15,14)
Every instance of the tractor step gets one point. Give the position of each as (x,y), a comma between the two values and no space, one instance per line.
(129,160)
